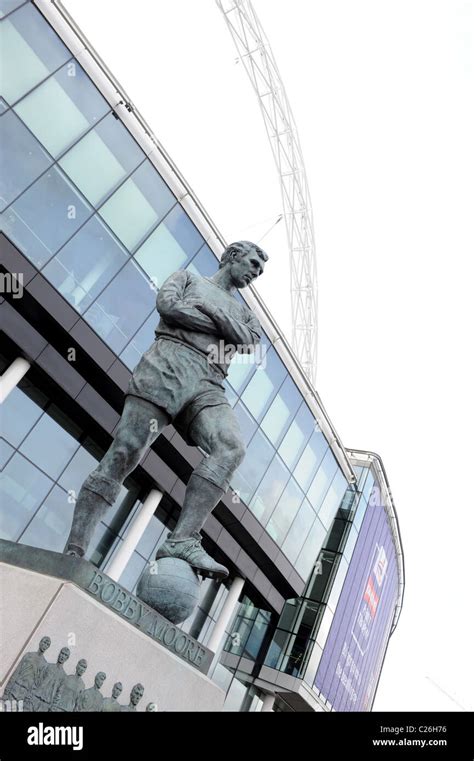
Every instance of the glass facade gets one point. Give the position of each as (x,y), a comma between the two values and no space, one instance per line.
(95,216)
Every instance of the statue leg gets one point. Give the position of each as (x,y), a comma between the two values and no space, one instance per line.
(140,424)
(217,431)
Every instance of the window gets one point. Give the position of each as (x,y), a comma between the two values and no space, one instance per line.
(63,108)
(22,159)
(122,307)
(99,162)
(285,511)
(141,341)
(205,263)
(19,414)
(30,51)
(250,472)
(169,247)
(86,264)
(332,500)
(310,460)
(269,490)
(322,479)
(299,530)
(138,205)
(281,412)
(297,436)
(61,445)
(9,5)
(309,553)
(23,488)
(45,216)
(264,384)
(247,424)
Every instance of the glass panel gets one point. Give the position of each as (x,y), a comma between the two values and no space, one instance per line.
(205,263)
(9,5)
(285,512)
(122,307)
(138,205)
(311,548)
(264,385)
(132,572)
(299,530)
(169,247)
(240,369)
(102,159)
(80,466)
(22,159)
(3,106)
(298,434)
(141,341)
(231,395)
(61,446)
(86,264)
(151,537)
(50,527)
(23,488)
(247,424)
(63,108)
(6,452)
(332,500)
(322,479)
(310,460)
(318,589)
(360,513)
(30,51)
(269,490)
(19,414)
(103,540)
(249,474)
(45,216)
(281,411)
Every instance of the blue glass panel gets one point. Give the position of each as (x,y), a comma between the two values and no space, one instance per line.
(121,308)
(240,369)
(281,411)
(310,459)
(169,247)
(299,531)
(205,263)
(332,499)
(18,415)
(360,512)
(311,548)
(63,108)
(230,394)
(22,159)
(132,572)
(102,159)
(30,52)
(249,474)
(45,216)
(23,487)
(322,479)
(247,424)
(80,466)
(138,205)
(285,512)
(6,452)
(54,457)
(141,341)
(264,384)
(151,537)
(269,490)
(297,436)
(6,6)
(50,527)
(3,105)
(86,264)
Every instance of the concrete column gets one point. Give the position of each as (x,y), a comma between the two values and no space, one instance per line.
(134,533)
(228,610)
(12,376)
(268,702)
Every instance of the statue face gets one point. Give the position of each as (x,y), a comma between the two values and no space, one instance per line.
(81,667)
(245,269)
(117,689)
(99,679)
(64,655)
(44,644)
(136,694)
(152,707)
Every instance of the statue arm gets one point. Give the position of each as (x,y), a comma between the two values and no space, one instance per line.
(240,334)
(172,307)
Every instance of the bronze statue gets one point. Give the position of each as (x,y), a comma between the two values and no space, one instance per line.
(135,697)
(26,676)
(111,705)
(180,380)
(50,681)
(70,689)
(92,699)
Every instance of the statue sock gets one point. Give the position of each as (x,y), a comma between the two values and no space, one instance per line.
(97,494)
(200,500)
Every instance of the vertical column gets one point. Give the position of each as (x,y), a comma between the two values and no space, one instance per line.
(216,640)
(134,534)
(268,702)
(12,376)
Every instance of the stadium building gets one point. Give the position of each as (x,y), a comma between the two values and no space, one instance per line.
(95,216)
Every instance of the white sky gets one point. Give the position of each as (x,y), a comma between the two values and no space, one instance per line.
(382,92)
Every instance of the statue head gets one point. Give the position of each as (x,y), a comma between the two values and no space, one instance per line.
(152,708)
(44,644)
(245,260)
(136,694)
(81,667)
(117,689)
(99,680)
(64,654)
